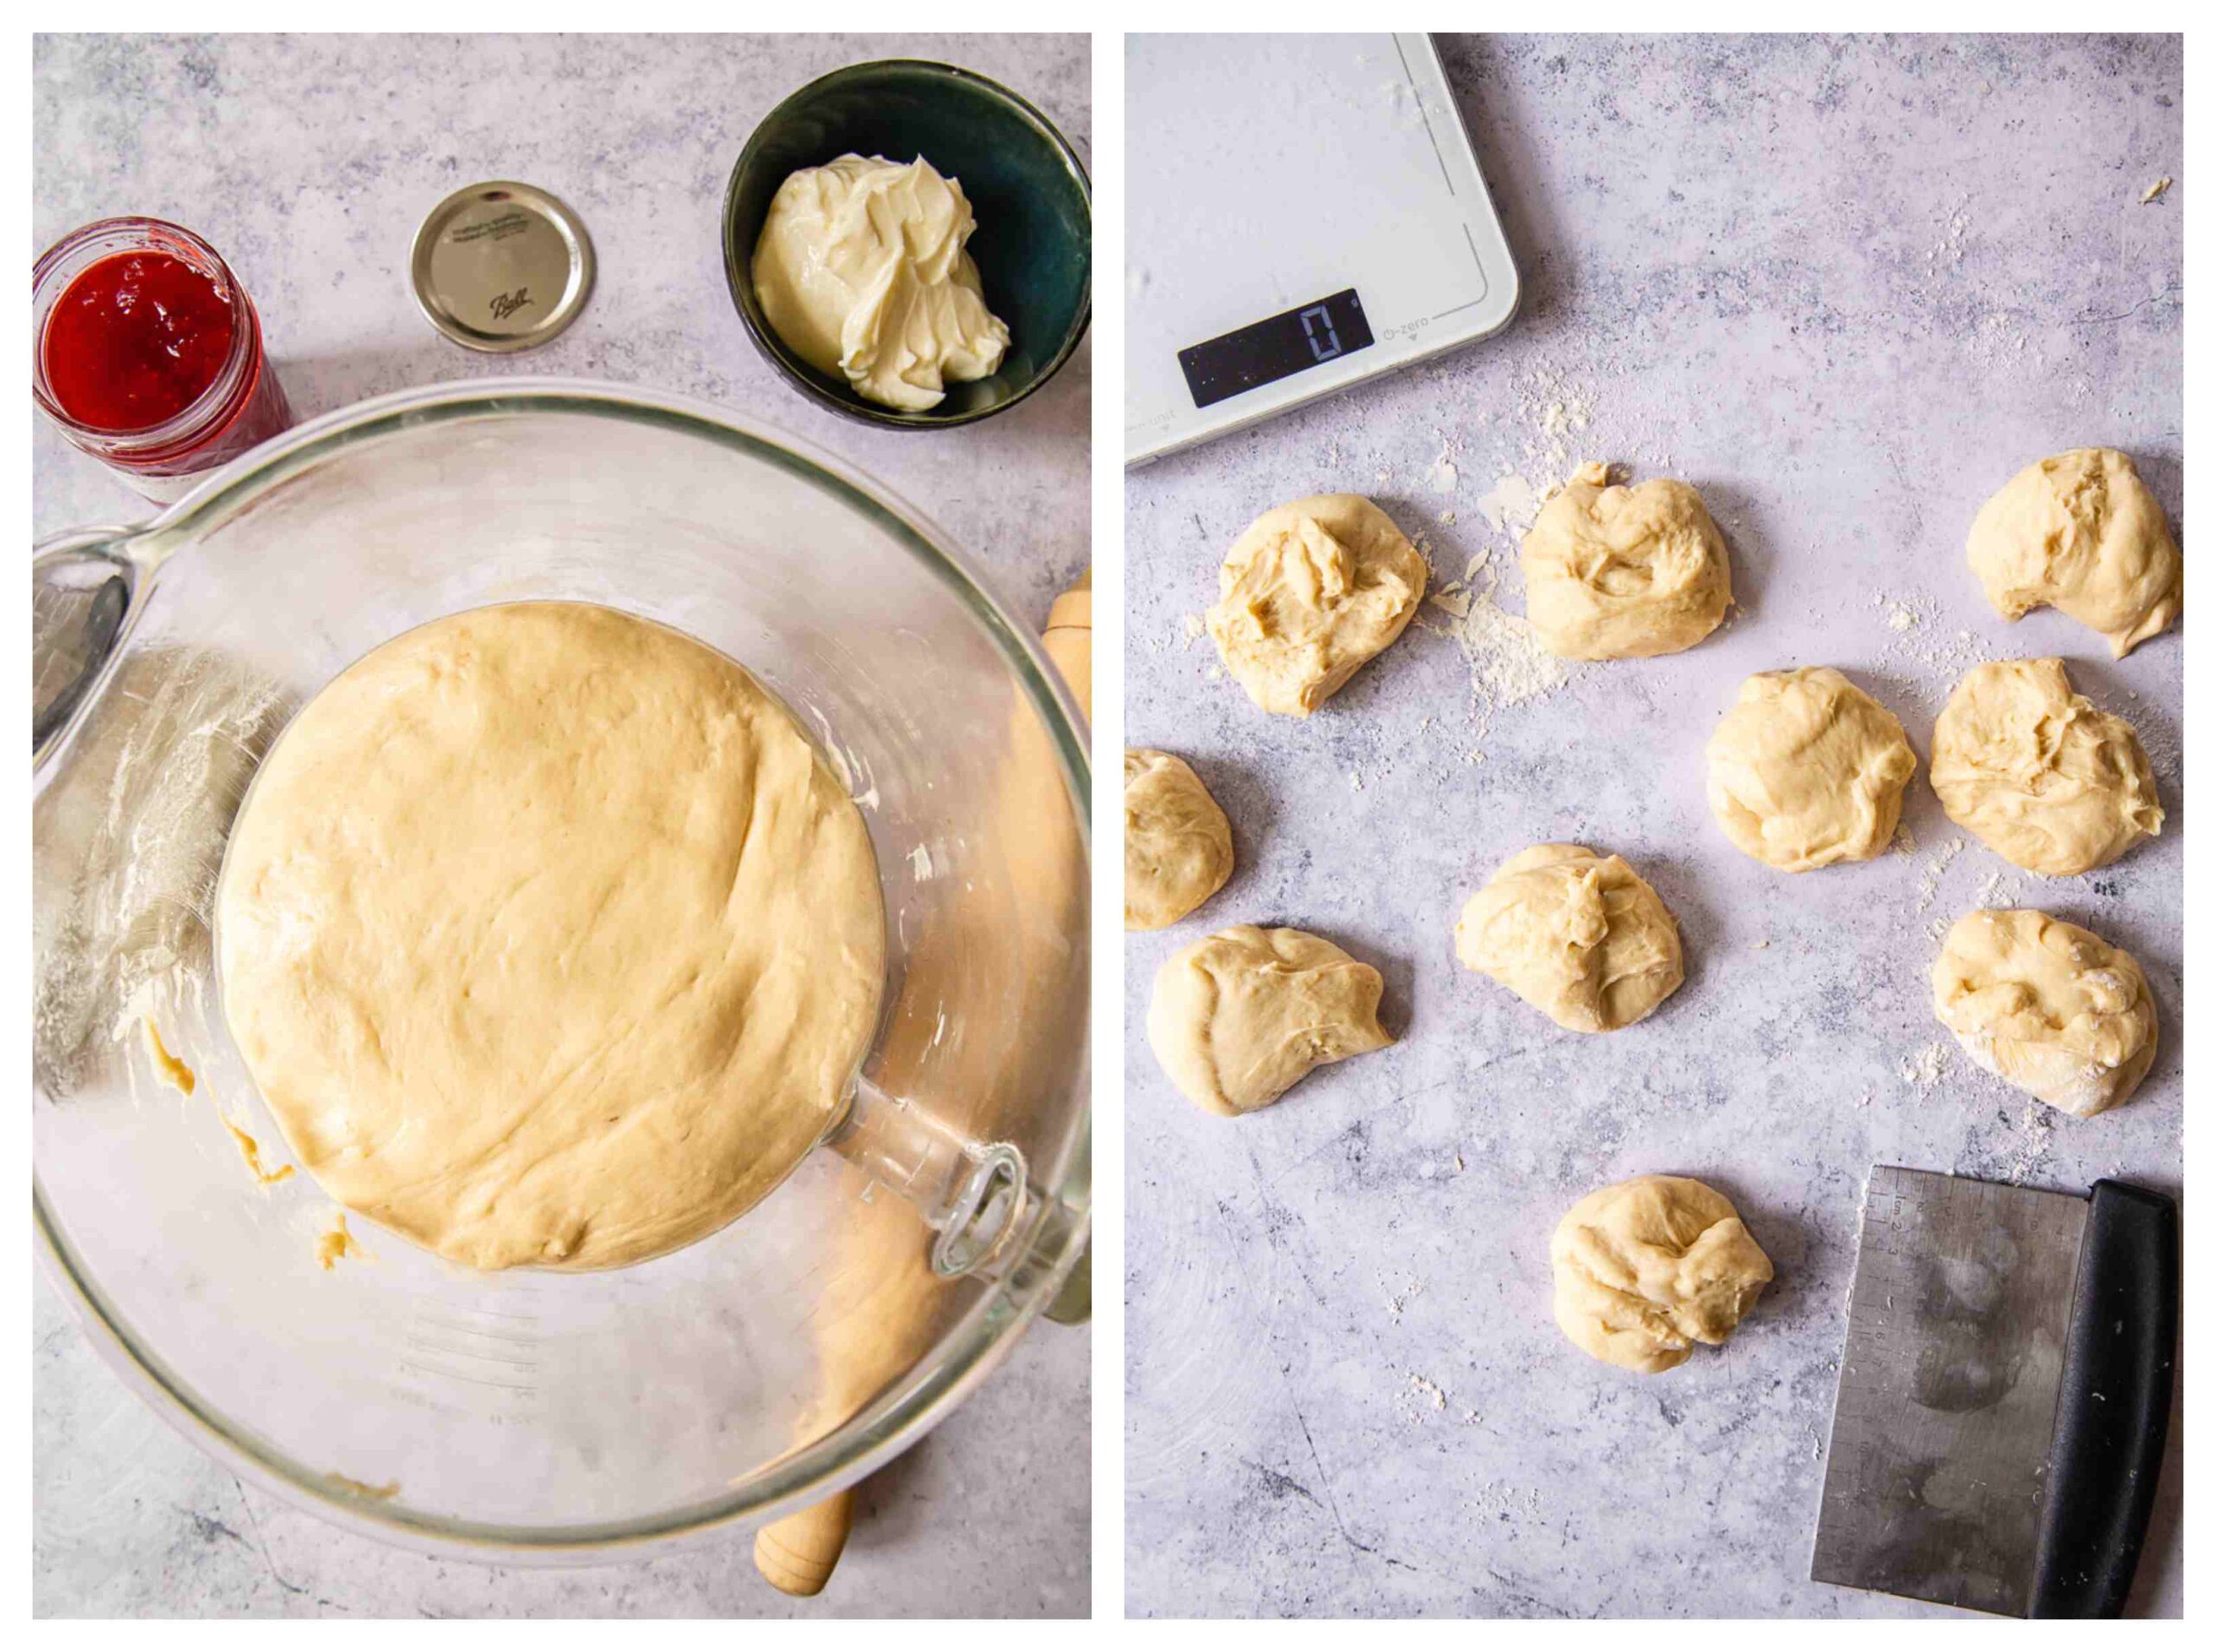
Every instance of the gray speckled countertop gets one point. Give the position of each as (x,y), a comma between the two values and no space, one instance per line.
(309,162)
(1847,288)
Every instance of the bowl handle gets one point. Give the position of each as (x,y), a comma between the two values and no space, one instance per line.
(970,1194)
(987,1217)
(88,591)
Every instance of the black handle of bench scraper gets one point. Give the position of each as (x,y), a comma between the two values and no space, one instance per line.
(2114,1413)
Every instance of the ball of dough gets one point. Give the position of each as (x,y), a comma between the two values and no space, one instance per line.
(1176,842)
(2051,1008)
(1580,935)
(1310,594)
(2081,533)
(1806,770)
(2040,776)
(1623,573)
(1240,1018)
(548,938)
(1647,1268)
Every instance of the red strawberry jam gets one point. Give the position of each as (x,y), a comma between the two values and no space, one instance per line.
(136,339)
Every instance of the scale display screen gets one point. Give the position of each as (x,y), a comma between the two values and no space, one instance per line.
(1265,351)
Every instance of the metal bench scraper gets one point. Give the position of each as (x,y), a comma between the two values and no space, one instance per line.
(2004,1394)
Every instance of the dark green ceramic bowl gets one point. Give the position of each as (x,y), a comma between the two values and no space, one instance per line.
(1033,244)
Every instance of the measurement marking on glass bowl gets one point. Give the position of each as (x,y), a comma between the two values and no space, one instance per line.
(527,1360)
(527,1337)
(475,1379)
(502,1355)
(520,1316)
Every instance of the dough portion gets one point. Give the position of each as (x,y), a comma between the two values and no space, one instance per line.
(1808,770)
(2042,778)
(862,270)
(1624,573)
(2081,533)
(1647,1268)
(2049,1007)
(1577,935)
(1176,840)
(548,938)
(1240,1018)
(1310,593)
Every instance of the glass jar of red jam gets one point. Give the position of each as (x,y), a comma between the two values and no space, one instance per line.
(147,353)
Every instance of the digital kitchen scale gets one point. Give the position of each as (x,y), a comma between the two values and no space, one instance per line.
(1305,213)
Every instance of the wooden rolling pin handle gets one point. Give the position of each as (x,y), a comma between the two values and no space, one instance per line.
(798,1553)
(1069,640)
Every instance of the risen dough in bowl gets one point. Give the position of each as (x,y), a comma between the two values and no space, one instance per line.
(2051,1008)
(548,938)
(1806,769)
(1624,573)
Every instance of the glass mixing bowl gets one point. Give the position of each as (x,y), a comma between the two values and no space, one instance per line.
(538,1413)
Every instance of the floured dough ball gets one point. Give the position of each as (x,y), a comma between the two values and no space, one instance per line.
(1240,1018)
(1310,594)
(1647,1268)
(2051,1008)
(1623,573)
(1177,841)
(2042,778)
(1580,935)
(2081,533)
(1806,770)
(548,938)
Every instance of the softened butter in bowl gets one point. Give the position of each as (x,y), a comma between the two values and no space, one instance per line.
(861,271)
(1032,246)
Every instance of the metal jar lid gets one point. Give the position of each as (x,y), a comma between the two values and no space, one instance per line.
(501,266)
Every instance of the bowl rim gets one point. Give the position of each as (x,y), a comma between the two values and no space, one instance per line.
(969,1349)
(738,278)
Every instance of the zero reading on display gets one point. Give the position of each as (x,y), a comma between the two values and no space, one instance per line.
(1265,351)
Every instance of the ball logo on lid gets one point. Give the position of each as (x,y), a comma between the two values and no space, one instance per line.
(501,266)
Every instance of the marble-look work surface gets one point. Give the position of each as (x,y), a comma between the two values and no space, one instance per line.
(1847,288)
(309,163)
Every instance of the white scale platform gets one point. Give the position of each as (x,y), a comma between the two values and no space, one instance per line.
(1305,214)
